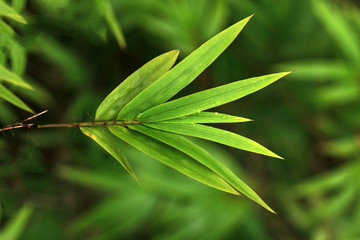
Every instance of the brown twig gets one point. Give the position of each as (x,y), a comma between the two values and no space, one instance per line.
(69,125)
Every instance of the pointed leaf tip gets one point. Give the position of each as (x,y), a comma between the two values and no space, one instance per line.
(182,74)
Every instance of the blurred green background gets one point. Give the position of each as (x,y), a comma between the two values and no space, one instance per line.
(59,184)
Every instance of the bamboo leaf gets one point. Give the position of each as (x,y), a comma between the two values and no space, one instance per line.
(215,135)
(7,11)
(18,5)
(208,117)
(134,84)
(12,78)
(18,57)
(13,99)
(318,70)
(172,157)
(107,11)
(110,143)
(15,227)
(6,29)
(337,26)
(208,99)
(182,74)
(203,157)
(113,23)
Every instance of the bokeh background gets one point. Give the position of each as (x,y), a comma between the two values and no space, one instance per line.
(59,184)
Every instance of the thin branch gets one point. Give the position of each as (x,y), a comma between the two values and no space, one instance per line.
(21,124)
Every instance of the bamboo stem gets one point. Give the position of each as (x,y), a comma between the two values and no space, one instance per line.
(21,124)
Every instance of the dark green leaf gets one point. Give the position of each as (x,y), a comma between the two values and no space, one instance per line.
(182,74)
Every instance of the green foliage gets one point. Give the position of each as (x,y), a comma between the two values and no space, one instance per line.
(141,95)
(182,74)
(9,12)
(15,228)
(9,47)
(70,49)
(207,99)
(135,84)
(10,97)
(106,9)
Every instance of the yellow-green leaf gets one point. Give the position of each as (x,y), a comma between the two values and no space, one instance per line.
(182,74)
(134,84)
(208,117)
(15,227)
(172,157)
(215,135)
(12,78)
(110,143)
(7,11)
(13,99)
(203,157)
(208,99)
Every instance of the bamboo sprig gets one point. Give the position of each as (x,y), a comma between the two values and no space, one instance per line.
(21,124)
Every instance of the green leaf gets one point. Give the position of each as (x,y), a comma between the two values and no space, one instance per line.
(110,143)
(6,29)
(18,58)
(172,157)
(3,57)
(208,99)
(208,117)
(7,11)
(107,9)
(13,99)
(182,74)
(18,5)
(335,22)
(318,70)
(203,157)
(15,227)
(13,78)
(215,135)
(134,84)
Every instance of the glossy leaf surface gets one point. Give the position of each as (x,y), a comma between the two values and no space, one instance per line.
(172,157)
(193,150)
(182,74)
(208,99)
(215,135)
(134,84)
(110,143)
(208,117)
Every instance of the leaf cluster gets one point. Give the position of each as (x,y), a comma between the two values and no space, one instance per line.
(163,125)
